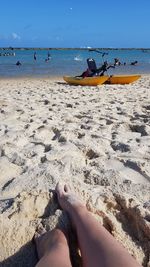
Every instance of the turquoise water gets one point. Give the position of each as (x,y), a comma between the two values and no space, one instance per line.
(70,62)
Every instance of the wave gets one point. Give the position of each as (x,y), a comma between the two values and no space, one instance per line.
(78,58)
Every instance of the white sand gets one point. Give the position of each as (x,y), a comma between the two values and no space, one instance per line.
(95,138)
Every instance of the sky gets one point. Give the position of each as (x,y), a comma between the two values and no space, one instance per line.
(75,23)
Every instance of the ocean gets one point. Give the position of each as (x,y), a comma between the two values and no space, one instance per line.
(70,62)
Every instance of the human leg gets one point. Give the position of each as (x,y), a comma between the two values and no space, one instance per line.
(98,247)
(53,250)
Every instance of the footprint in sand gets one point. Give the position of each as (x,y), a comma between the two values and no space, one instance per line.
(7,184)
(57,134)
(16,159)
(139,129)
(61,139)
(128,170)
(147,107)
(117,146)
(91,154)
(80,135)
(85,127)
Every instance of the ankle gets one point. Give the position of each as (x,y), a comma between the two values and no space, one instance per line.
(77,211)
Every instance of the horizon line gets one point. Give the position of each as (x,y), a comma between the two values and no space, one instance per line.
(75,48)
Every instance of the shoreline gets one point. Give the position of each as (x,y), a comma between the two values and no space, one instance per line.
(53,78)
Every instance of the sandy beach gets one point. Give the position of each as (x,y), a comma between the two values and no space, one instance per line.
(95,138)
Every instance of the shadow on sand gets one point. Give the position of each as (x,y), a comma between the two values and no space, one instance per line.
(24,257)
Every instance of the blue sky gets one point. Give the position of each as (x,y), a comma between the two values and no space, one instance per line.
(78,23)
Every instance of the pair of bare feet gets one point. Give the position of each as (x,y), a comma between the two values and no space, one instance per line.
(70,203)
(98,247)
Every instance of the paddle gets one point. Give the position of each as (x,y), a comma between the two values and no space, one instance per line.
(98,51)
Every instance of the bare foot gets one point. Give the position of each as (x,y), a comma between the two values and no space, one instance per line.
(67,198)
(46,241)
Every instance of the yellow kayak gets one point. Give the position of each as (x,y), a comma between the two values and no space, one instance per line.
(90,81)
(122,79)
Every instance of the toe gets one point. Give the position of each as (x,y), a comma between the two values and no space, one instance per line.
(66,188)
(60,189)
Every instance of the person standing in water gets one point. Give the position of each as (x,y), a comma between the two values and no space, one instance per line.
(48,55)
(34,55)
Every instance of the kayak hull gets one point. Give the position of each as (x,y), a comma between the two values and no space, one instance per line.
(123,79)
(97,80)
(87,81)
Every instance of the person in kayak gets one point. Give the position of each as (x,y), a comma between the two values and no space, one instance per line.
(86,73)
(97,246)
